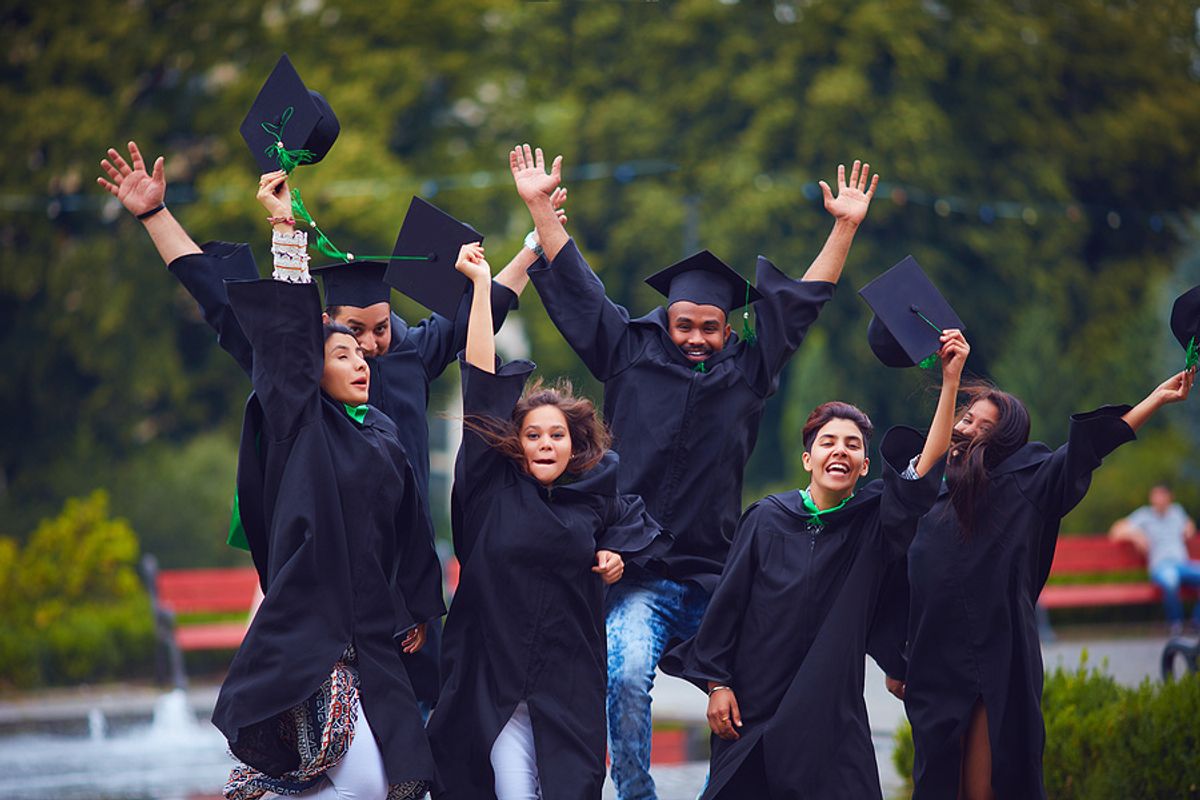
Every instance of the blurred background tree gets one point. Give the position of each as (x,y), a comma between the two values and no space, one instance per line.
(1038,159)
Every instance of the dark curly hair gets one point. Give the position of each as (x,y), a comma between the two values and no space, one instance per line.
(590,438)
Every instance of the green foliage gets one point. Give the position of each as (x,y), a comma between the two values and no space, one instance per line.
(1058,139)
(73,605)
(1108,742)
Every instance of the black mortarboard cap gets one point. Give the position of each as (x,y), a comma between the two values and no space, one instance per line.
(1185,323)
(706,280)
(910,315)
(358,283)
(437,237)
(286,110)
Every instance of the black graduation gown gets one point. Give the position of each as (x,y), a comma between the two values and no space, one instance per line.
(339,538)
(399,381)
(972,630)
(527,622)
(787,629)
(684,436)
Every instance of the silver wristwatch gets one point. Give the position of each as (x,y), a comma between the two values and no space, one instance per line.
(532,243)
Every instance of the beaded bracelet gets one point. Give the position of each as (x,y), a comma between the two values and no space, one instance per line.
(277,220)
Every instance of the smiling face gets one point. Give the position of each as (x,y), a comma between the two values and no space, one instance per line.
(980,418)
(837,457)
(345,376)
(372,326)
(546,441)
(699,331)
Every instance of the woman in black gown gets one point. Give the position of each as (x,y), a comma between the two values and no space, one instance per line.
(317,701)
(540,528)
(975,569)
(782,647)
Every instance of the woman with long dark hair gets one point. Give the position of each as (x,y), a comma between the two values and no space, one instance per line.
(976,567)
(781,650)
(539,529)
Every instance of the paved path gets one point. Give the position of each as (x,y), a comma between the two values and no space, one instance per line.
(136,758)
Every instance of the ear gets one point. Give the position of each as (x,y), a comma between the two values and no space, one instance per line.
(324,318)
(806,459)
(866,467)
(728,331)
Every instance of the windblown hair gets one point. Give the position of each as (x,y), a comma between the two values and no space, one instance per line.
(835,409)
(972,459)
(590,438)
(332,327)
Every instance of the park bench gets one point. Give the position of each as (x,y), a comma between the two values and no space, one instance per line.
(1092,555)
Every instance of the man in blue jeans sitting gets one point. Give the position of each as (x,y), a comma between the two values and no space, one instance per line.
(1161,530)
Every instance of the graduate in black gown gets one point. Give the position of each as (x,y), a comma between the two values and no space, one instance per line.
(543,529)
(684,396)
(980,558)
(338,534)
(781,649)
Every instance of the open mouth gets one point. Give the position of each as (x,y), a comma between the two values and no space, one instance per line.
(837,469)
(697,353)
(545,462)
(360,382)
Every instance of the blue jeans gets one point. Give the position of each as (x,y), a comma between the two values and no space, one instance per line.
(645,612)
(1168,575)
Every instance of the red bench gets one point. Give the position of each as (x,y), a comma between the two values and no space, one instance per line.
(1085,555)
(208,591)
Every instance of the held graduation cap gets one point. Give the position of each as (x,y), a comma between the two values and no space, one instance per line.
(432,238)
(1185,324)
(288,124)
(358,283)
(910,315)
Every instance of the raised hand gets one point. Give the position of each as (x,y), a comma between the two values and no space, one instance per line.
(558,199)
(609,565)
(472,263)
(274,194)
(954,354)
(137,190)
(1175,388)
(529,172)
(853,198)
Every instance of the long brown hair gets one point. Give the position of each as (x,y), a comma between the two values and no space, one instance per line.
(590,438)
(972,459)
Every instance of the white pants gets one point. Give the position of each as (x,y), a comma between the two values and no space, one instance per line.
(359,775)
(514,760)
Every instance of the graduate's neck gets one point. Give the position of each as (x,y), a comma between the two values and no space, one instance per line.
(825,499)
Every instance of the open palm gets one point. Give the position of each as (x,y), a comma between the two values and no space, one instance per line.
(137,190)
(853,197)
(529,172)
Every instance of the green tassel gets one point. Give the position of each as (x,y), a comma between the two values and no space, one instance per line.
(1193,354)
(748,333)
(702,368)
(323,243)
(929,362)
(288,160)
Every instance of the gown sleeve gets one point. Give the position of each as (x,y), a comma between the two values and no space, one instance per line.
(282,322)
(417,571)
(1061,480)
(438,339)
(787,310)
(904,501)
(596,328)
(203,275)
(631,531)
(709,655)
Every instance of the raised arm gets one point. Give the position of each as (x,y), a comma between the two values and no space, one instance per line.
(849,209)
(515,275)
(536,187)
(953,354)
(143,195)
(1173,390)
(481,341)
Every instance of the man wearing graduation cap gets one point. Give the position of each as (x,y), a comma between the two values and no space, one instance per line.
(684,397)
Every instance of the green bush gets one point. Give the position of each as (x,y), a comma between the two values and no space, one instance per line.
(1108,742)
(73,605)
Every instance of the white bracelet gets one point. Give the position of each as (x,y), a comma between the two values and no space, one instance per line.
(289,253)
(718,688)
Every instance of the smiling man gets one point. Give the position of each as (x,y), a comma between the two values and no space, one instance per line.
(684,396)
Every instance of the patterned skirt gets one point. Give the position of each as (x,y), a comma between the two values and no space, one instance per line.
(300,745)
